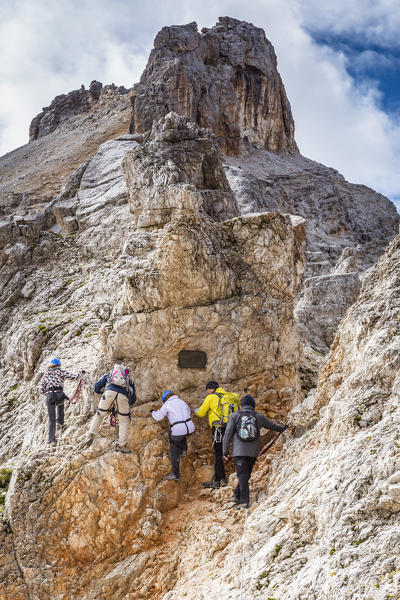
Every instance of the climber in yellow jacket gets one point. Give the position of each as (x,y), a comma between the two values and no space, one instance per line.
(213,407)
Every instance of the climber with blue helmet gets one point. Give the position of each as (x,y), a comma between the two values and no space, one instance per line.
(178,413)
(52,384)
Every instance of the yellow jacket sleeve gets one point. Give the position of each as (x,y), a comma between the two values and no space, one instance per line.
(204,408)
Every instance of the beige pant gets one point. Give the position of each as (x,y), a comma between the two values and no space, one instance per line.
(123,414)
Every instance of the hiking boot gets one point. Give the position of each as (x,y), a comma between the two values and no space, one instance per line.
(171,477)
(123,449)
(211,484)
(223,483)
(240,506)
(61,427)
(52,445)
(183,453)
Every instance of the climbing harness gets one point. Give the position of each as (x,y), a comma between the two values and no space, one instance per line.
(244,542)
(186,421)
(114,411)
(218,434)
(268,446)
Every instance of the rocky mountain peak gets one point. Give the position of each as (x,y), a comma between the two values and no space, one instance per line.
(224,78)
(65,106)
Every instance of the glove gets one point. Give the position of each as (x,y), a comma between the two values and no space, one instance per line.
(83,371)
(286,427)
(151,411)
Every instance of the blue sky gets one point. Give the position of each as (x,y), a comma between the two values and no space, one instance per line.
(369,64)
(340,63)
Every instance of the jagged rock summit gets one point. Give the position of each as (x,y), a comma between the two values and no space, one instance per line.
(64,107)
(224,78)
(167,222)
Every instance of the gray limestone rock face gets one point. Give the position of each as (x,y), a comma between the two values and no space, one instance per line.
(37,172)
(224,78)
(348,228)
(323,302)
(339,214)
(177,171)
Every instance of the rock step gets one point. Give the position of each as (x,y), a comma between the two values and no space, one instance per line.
(315,269)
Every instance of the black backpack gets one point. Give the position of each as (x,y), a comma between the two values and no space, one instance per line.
(247,427)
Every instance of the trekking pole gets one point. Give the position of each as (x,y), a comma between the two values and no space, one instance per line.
(268,446)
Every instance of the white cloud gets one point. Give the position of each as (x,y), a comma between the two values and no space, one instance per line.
(370,61)
(338,121)
(376,21)
(51,48)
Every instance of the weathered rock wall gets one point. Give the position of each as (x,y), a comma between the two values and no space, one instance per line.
(177,171)
(33,175)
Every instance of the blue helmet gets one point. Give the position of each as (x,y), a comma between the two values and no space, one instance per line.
(166,395)
(55,362)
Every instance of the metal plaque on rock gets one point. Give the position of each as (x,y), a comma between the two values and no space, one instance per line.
(192,359)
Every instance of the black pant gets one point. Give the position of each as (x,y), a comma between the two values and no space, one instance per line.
(219,468)
(244,467)
(54,406)
(177,445)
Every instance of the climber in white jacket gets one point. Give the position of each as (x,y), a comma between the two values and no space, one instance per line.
(178,413)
